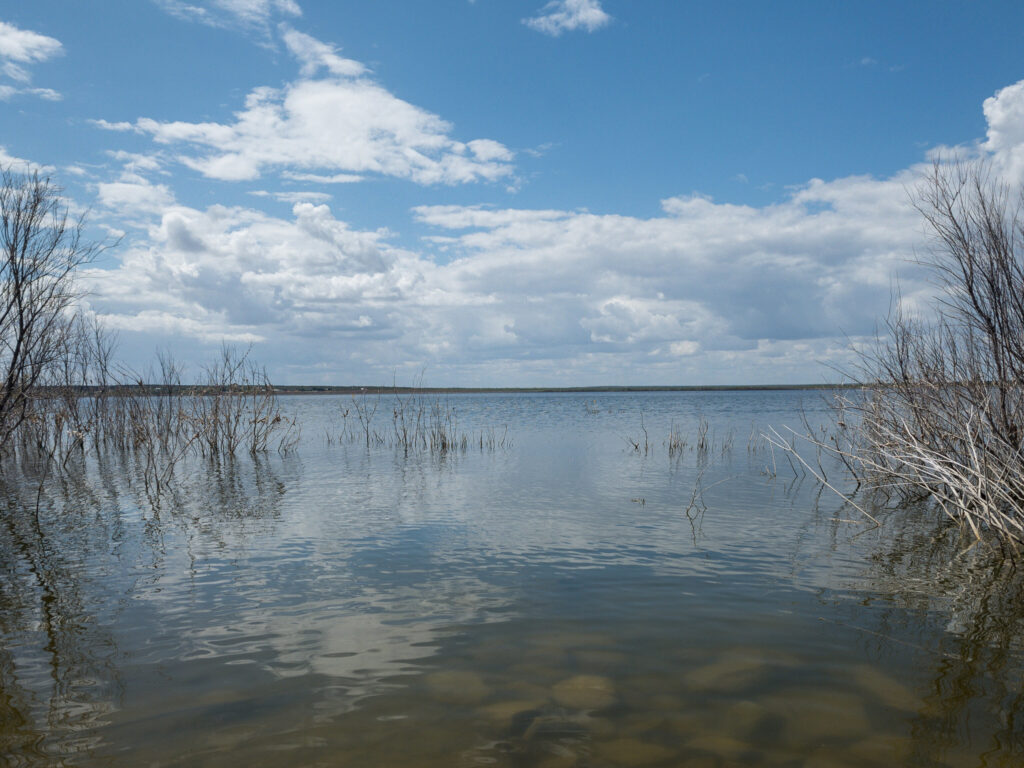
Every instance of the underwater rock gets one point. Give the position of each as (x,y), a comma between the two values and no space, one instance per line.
(585,692)
(720,745)
(555,726)
(813,715)
(743,718)
(733,672)
(559,761)
(599,659)
(506,712)
(883,750)
(632,752)
(643,722)
(456,687)
(888,691)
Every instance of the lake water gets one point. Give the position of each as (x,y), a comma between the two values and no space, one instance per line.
(567,599)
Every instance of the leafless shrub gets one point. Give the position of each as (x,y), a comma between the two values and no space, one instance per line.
(676,441)
(41,248)
(418,424)
(235,408)
(940,411)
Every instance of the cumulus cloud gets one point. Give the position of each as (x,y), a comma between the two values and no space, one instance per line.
(340,127)
(529,291)
(238,273)
(561,16)
(701,292)
(20,48)
(1005,140)
(722,276)
(133,196)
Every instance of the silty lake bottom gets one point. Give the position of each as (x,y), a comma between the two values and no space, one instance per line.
(566,600)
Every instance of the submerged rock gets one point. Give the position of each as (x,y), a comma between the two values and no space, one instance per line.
(599,659)
(632,752)
(506,712)
(559,761)
(555,726)
(643,722)
(456,687)
(734,671)
(744,718)
(720,745)
(883,750)
(585,692)
(813,716)
(886,690)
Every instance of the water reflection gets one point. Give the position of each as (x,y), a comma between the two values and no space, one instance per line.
(960,605)
(58,668)
(351,606)
(76,546)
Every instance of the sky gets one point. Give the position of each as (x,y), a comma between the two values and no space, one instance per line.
(507,192)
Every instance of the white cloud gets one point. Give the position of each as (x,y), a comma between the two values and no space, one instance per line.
(1005,115)
(135,162)
(294,197)
(20,48)
(133,197)
(337,178)
(20,164)
(237,273)
(108,126)
(208,328)
(529,293)
(342,127)
(723,276)
(561,16)
(8,92)
(316,55)
(251,15)
(703,292)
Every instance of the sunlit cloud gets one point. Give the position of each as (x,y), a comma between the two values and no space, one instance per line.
(19,49)
(340,127)
(561,16)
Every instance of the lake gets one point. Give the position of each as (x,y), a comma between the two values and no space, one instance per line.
(572,593)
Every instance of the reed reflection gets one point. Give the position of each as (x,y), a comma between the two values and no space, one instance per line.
(75,547)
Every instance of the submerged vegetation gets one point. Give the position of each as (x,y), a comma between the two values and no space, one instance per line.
(704,442)
(418,424)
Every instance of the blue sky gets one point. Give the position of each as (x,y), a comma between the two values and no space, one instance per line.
(506,192)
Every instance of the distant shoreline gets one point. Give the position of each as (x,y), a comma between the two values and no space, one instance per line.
(323,389)
(385,390)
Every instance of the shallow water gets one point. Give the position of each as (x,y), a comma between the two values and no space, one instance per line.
(567,600)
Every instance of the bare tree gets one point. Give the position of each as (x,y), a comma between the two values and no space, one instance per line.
(940,415)
(41,247)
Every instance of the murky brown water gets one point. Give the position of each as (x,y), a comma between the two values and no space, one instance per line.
(552,604)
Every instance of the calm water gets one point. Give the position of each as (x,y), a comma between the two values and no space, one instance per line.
(566,601)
